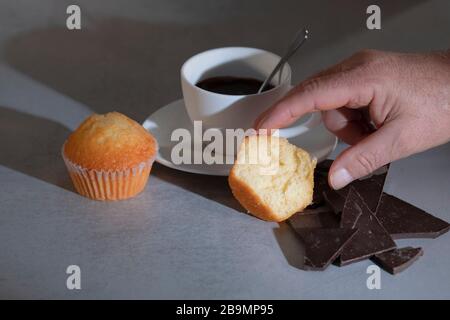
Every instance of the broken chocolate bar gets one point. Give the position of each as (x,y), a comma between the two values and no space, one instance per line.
(370,239)
(397,260)
(404,221)
(367,222)
(323,245)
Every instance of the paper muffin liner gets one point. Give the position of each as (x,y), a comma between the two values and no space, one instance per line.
(109,184)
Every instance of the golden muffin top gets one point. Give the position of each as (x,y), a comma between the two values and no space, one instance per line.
(110,141)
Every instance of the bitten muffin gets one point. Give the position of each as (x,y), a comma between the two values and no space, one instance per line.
(109,157)
(272,178)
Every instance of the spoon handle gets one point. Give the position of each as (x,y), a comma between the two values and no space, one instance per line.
(299,40)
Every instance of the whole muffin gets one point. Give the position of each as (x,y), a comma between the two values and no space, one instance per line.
(109,157)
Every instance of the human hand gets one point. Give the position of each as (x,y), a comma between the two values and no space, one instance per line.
(387,105)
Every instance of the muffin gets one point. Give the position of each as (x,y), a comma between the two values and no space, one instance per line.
(272,178)
(109,157)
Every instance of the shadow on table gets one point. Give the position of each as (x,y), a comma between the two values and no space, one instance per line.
(290,245)
(216,188)
(32,145)
(210,187)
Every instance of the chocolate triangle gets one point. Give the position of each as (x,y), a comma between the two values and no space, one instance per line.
(352,210)
(323,245)
(370,188)
(397,260)
(405,221)
(370,239)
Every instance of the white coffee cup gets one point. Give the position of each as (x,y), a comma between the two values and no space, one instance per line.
(223,111)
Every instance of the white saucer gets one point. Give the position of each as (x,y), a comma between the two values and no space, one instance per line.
(318,141)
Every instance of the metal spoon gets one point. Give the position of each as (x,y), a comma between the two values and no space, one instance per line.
(299,39)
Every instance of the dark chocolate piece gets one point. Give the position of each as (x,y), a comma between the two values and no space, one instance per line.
(324,166)
(397,260)
(320,186)
(370,239)
(334,201)
(321,182)
(233,85)
(352,210)
(405,221)
(321,217)
(314,210)
(370,188)
(323,245)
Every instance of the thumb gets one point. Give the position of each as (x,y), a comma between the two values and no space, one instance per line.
(374,151)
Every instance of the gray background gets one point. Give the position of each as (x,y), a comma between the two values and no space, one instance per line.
(185,236)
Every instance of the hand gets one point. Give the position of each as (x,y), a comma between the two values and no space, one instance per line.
(387,105)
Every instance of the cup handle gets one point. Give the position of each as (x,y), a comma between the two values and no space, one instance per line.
(314,120)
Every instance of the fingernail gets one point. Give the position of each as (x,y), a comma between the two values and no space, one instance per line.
(340,178)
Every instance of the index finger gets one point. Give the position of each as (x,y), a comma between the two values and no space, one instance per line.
(318,94)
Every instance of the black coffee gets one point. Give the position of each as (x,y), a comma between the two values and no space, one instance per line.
(232,85)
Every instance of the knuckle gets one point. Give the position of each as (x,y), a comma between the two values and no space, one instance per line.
(326,82)
(311,85)
(292,112)
(368,161)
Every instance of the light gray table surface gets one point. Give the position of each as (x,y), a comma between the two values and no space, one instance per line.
(184,236)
